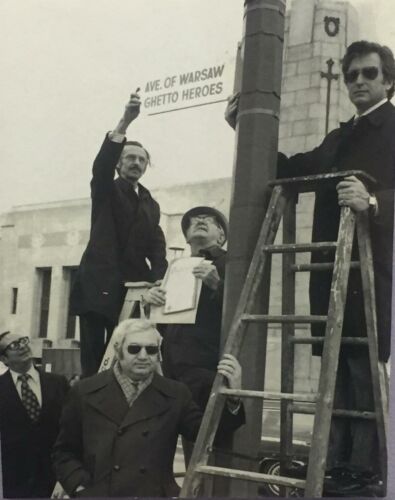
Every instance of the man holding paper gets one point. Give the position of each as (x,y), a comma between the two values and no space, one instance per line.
(191,351)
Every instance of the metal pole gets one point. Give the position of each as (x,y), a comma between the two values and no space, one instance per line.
(255,166)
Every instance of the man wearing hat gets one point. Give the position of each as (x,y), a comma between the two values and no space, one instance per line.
(191,352)
(30,409)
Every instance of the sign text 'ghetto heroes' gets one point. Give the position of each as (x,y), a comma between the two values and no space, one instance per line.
(183,88)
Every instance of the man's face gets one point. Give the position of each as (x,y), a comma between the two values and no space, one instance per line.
(17,352)
(365,91)
(205,228)
(140,365)
(133,163)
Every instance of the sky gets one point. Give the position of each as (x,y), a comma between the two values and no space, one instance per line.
(68,67)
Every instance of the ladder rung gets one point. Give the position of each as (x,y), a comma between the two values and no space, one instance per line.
(310,183)
(300,268)
(255,477)
(320,340)
(310,410)
(284,318)
(300,247)
(306,398)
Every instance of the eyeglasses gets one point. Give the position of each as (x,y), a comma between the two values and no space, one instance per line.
(151,350)
(206,218)
(369,72)
(18,344)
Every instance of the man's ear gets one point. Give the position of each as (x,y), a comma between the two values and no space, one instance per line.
(221,237)
(3,359)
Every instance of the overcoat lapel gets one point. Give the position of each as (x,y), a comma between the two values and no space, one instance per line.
(150,403)
(109,399)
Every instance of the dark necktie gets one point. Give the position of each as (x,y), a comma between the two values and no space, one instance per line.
(29,399)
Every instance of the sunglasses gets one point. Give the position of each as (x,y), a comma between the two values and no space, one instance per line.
(151,350)
(17,344)
(369,73)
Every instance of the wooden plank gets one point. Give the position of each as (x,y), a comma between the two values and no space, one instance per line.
(327,266)
(268,318)
(299,247)
(252,476)
(379,382)
(330,356)
(310,410)
(320,340)
(234,340)
(287,333)
(302,396)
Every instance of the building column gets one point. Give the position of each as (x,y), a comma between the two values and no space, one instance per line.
(57,305)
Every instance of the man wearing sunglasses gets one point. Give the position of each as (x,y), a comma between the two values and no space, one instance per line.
(30,406)
(119,428)
(125,236)
(366,142)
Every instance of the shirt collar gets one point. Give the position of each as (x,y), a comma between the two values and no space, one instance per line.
(372,108)
(32,372)
(126,187)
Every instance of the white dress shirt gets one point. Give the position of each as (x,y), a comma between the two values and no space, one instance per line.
(33,381)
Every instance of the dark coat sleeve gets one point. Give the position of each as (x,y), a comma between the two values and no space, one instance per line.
(156,253)
(312,162)
(103,170)
(67,452)
(192,416)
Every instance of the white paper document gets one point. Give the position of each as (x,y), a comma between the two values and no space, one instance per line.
(182,292)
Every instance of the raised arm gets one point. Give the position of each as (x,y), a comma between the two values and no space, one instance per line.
(103,170)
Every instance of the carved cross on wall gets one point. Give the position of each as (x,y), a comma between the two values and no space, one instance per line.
(329,75)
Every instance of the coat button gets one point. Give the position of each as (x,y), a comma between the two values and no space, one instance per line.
(143,470)
(117,467)
(120,432)
(145,433)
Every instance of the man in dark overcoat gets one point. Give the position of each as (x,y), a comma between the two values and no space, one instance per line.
(30,407)
(191,351)
(119,428)
(367,143)
(124,235)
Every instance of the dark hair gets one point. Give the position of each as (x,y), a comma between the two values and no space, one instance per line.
(2,335)
(363,48)
(136,143)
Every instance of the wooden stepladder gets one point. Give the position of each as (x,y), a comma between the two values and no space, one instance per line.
(282,205)
(132,300)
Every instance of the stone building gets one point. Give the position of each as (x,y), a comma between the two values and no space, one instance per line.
(41,244)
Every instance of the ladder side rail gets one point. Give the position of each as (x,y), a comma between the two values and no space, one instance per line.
(128,308)
(233,343)
(330,356)
(288,332)
(130,303)
(378,370)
